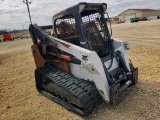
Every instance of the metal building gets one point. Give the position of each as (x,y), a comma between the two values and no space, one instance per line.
(140,13)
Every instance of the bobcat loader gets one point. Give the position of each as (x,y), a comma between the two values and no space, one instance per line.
(80,63)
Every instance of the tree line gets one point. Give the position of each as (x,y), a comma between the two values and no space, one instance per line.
(11,31)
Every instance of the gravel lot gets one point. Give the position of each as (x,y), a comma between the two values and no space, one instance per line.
(19,98)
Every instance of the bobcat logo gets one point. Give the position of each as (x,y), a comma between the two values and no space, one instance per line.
(85,57)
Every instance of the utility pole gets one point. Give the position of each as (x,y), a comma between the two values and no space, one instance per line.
(27,3)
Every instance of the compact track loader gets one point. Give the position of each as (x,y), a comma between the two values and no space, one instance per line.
(80,63)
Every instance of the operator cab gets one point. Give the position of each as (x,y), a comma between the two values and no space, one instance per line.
(84,25)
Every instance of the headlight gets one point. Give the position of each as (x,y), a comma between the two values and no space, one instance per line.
(126,45)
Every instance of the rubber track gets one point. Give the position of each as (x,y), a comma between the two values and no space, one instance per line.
(78,95)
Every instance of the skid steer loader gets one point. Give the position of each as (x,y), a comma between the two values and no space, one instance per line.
(80,63)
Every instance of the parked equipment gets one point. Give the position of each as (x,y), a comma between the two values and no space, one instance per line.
(7,36)
(81,63)
(133,20)
(142,19)
(136,19)
(24,36)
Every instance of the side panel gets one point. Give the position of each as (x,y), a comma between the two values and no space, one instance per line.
(80,72)
(39,60)
(114,64)
(119,45)
(91,62)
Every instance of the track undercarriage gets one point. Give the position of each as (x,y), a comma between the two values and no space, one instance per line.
(75,94)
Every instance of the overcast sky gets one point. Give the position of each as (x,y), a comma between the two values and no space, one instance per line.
(14,15)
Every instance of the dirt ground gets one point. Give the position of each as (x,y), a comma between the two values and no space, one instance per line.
(19,98)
